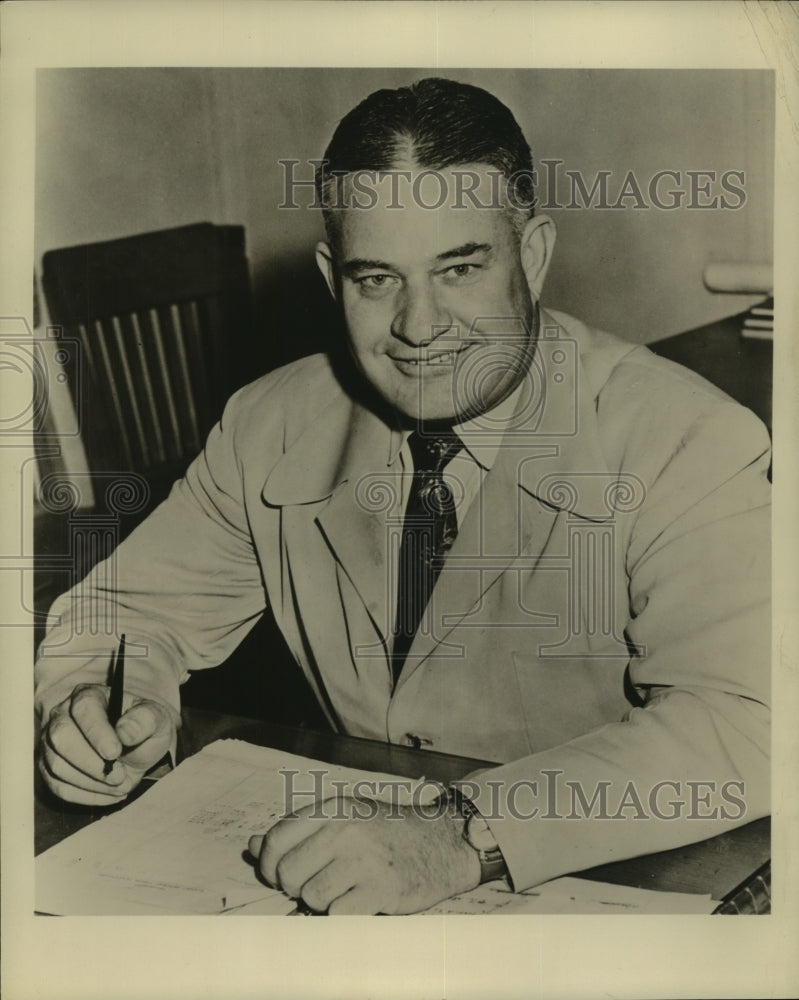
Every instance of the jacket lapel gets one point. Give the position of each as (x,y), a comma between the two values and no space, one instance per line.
(344,455)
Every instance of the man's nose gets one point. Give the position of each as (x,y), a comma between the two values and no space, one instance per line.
(420,318)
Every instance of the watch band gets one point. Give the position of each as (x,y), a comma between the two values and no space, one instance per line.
(492,862)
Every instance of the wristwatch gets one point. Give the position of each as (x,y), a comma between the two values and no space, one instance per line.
(477,834)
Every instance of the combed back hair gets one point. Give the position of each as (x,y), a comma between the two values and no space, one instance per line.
(433,124)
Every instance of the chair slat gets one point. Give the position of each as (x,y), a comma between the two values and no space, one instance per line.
(129,389)
(105,375)
(189,406)
(199,359)
(149,400)
(148,321)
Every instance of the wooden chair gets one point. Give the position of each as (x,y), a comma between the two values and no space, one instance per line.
(164,324)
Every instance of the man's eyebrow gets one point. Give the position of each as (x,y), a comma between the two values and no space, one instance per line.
(356,264)
(464,251)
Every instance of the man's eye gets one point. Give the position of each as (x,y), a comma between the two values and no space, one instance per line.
(374,285)
(460,271)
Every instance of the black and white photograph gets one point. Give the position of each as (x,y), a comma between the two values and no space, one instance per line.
(394,506)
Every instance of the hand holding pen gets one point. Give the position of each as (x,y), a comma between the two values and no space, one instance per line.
(100,741)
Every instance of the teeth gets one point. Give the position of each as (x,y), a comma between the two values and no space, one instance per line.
(446,358)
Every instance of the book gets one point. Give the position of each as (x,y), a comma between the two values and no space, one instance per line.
(753,895)
(758,322)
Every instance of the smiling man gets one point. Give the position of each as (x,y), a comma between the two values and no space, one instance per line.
(492,532)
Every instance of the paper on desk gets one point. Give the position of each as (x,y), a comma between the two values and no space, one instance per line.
(572,895)
(182,847)
(562,895)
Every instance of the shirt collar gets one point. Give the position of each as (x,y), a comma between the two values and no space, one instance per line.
(482,435)
(396,440)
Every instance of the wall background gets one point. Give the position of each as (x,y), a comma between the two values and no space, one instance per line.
(121,151)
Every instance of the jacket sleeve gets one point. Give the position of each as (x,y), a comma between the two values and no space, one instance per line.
(185,587)
(693,761)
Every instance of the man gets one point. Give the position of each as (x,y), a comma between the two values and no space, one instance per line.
(498,533)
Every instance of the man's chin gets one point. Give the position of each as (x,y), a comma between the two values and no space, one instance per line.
(424,403)
(413,416)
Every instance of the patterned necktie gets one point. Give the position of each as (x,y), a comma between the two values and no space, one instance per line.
(428,531)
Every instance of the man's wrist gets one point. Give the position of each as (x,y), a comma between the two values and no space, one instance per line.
(477,834)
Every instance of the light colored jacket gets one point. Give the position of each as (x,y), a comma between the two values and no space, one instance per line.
(602,618)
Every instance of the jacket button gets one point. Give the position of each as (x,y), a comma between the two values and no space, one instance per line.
(417,742)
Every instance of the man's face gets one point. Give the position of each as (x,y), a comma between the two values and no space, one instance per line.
(436,301)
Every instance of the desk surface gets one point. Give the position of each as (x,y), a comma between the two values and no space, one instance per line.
(713,866)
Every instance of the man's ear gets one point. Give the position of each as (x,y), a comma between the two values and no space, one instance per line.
(324,261)
(537,246)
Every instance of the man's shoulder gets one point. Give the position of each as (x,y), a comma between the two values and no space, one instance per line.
(629,375)
(617,366)
(292,395)
(294,382)
(648,407)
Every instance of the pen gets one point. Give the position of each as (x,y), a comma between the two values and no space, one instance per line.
(117,692)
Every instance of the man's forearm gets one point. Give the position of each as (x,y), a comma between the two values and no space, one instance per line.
(679,771)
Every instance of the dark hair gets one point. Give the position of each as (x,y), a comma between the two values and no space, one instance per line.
(442,123)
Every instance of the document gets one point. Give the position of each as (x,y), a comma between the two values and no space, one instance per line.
(181,848)
(575,896)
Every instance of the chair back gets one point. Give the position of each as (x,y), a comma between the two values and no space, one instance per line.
(164,324)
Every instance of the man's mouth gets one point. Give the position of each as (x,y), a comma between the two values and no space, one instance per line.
(429,358)
(445,358)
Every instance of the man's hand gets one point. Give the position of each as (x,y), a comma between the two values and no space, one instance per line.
(78,739)
(367,862)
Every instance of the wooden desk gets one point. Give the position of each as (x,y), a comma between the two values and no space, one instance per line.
(714,866)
